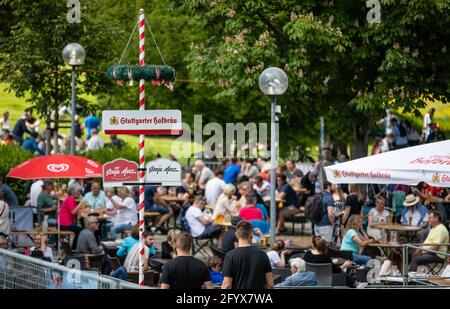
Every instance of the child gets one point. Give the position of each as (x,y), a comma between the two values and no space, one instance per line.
(214,265)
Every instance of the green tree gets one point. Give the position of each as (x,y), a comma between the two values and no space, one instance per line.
(31,60)
(339,65)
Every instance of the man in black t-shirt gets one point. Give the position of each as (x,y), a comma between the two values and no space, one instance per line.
(229,240)
(246,267)
(185,271)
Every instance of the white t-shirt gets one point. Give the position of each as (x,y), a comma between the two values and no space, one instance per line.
(274,258)
(132,260)
(109,205)
(127,214)
(95,143)
(192,214)
(35,190)
(384,146)
(213,189)
(265,187)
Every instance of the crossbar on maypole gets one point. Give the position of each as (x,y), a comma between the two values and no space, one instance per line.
(141,148)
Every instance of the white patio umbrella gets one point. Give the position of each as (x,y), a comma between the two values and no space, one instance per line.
(409,166)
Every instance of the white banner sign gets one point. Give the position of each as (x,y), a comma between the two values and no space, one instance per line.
(163,171)
(149,122)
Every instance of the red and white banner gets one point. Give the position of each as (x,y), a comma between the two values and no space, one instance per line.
(409,166)
(120,171)
(148,122)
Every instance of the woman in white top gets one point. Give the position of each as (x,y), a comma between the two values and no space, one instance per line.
(276,254)
(127,212)
(5,121)
(377,215)
(4,216)
(226,204)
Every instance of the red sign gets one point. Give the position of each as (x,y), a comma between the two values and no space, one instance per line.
(119,171)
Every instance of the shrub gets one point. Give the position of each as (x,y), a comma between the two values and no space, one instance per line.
(110,153)
(11,156)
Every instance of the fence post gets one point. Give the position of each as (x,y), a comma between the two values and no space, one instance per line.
(405,265)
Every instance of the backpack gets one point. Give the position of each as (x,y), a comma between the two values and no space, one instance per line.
(313,208)
(402,130)
(184,223)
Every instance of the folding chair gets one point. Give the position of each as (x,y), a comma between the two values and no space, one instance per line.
(198,246)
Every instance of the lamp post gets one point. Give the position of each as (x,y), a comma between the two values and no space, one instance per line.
(273,82)
(73,55)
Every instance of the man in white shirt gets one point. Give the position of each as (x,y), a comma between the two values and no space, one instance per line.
(261,186)
(132,260)
(214,187)
(95,142)
(127,212)
(35,190)
(200,226)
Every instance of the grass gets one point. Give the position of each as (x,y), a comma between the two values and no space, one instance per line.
(162,145)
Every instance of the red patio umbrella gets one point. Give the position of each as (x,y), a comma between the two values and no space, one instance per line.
(57,166)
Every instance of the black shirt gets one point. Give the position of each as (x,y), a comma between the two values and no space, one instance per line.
(229,238)
(320,259)
(185,272)
(166,249)
(20,128)
(307,184)
(247,266)
(354,204)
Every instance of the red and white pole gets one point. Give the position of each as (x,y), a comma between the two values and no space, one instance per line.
(141,148)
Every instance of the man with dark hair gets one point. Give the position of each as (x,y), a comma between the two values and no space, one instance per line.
(21,128)
(325,227)
(290,200)
(246,267)
(185,271)
(292,171)
(132,261)
(250,212)
(438,234)
(232,172)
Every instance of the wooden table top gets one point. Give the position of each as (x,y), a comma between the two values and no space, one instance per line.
(439,281)
(386,245)
(48,233)
(397,227)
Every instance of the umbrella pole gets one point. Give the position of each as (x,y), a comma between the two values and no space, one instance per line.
(59,223)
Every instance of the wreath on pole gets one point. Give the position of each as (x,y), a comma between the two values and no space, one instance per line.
(157,74)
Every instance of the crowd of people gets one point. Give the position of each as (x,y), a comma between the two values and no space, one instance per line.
(342,216)
(27,134)
(401,133)
(230,205)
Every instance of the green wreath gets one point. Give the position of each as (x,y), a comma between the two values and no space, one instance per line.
(157,74)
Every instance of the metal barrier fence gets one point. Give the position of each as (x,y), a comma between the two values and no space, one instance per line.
(18,271)
(406,249)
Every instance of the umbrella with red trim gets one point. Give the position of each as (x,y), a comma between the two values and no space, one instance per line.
(57,166)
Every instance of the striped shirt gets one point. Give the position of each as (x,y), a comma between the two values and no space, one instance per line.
(132,260)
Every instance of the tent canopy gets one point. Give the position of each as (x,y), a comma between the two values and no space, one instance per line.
(409,166)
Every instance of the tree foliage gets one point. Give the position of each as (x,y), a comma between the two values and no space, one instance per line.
(339,66)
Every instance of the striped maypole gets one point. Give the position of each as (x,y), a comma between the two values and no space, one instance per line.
(141,148)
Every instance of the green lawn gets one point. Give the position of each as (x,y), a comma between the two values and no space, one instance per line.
(163,145)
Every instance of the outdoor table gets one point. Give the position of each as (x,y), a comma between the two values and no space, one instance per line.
(439,281)
(386,246)
(393,228)
(211,207)
(161,261)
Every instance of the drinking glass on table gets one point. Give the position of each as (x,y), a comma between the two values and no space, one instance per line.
(172,192)
(410,220)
